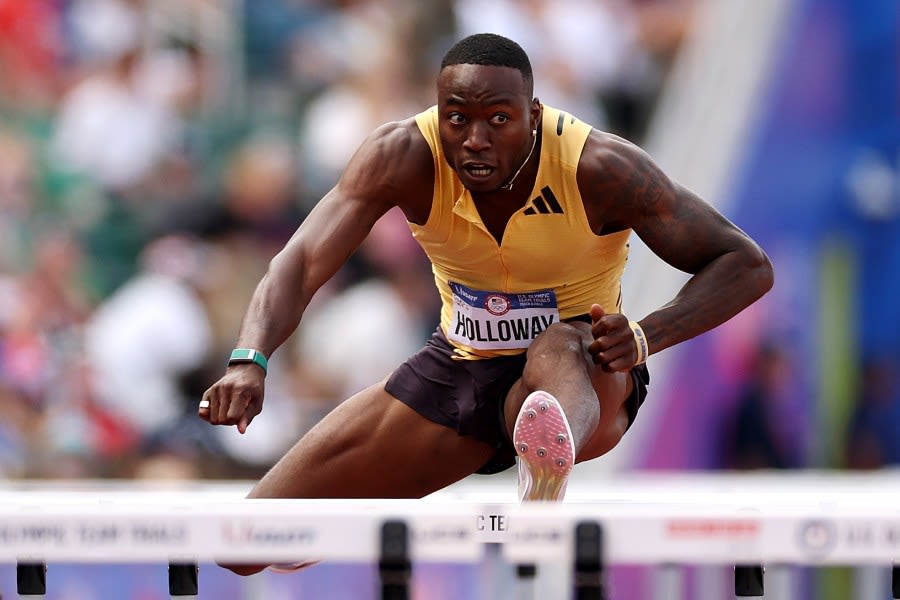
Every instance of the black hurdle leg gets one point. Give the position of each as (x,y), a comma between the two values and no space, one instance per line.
(394,565)
(525,575)
(748,580)
(589,561)
(183,579)
(31,578)
(895,581)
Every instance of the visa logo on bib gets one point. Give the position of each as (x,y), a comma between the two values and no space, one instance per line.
(500,321)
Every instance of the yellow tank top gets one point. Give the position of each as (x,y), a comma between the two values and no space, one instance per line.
(550,266)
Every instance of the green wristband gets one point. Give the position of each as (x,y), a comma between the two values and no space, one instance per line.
(248,355)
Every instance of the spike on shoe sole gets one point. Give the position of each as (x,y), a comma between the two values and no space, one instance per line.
(545,448)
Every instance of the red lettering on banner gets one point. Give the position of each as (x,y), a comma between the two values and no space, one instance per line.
(704,528)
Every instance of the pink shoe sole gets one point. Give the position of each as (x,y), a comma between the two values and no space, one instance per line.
(544,444)
(293,567)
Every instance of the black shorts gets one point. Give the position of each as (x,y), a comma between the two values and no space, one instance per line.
(467,395)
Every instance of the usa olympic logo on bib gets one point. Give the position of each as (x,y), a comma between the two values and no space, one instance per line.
(497,305)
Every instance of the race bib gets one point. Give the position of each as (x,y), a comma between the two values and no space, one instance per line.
(499,321)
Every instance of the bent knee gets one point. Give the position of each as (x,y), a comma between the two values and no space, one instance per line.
(560,344)
(560,336)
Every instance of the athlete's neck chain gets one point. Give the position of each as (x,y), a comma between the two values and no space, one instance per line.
(509,184)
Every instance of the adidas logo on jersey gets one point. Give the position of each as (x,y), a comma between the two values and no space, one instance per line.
(544,204)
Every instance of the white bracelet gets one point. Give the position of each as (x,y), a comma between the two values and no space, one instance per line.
(640,342)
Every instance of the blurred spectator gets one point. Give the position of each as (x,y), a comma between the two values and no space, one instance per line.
(431,30)
(272,29)
(101,31)
(149,334)
(31,54)
(259,192)
(43,308)
(251,213)
(763,432)
(367,48)
(20,422)
(18,174)
(872,440)
(77,436)
(113,126)
(660,27)
(123,120)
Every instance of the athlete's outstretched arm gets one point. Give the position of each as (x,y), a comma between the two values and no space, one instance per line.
(373,182)
(624,188)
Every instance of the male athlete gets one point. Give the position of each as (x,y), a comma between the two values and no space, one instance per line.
(525,213)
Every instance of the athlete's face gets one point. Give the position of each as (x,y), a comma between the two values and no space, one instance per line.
(487,117)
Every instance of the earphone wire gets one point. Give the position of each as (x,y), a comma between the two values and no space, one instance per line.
(509,185)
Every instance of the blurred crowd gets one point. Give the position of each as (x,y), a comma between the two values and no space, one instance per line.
(155,154)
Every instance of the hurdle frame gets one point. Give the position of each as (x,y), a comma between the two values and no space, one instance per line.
(746,522)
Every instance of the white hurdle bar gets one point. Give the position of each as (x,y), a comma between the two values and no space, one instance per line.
(745,522)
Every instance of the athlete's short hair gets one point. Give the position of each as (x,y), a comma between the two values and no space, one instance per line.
(490,49)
